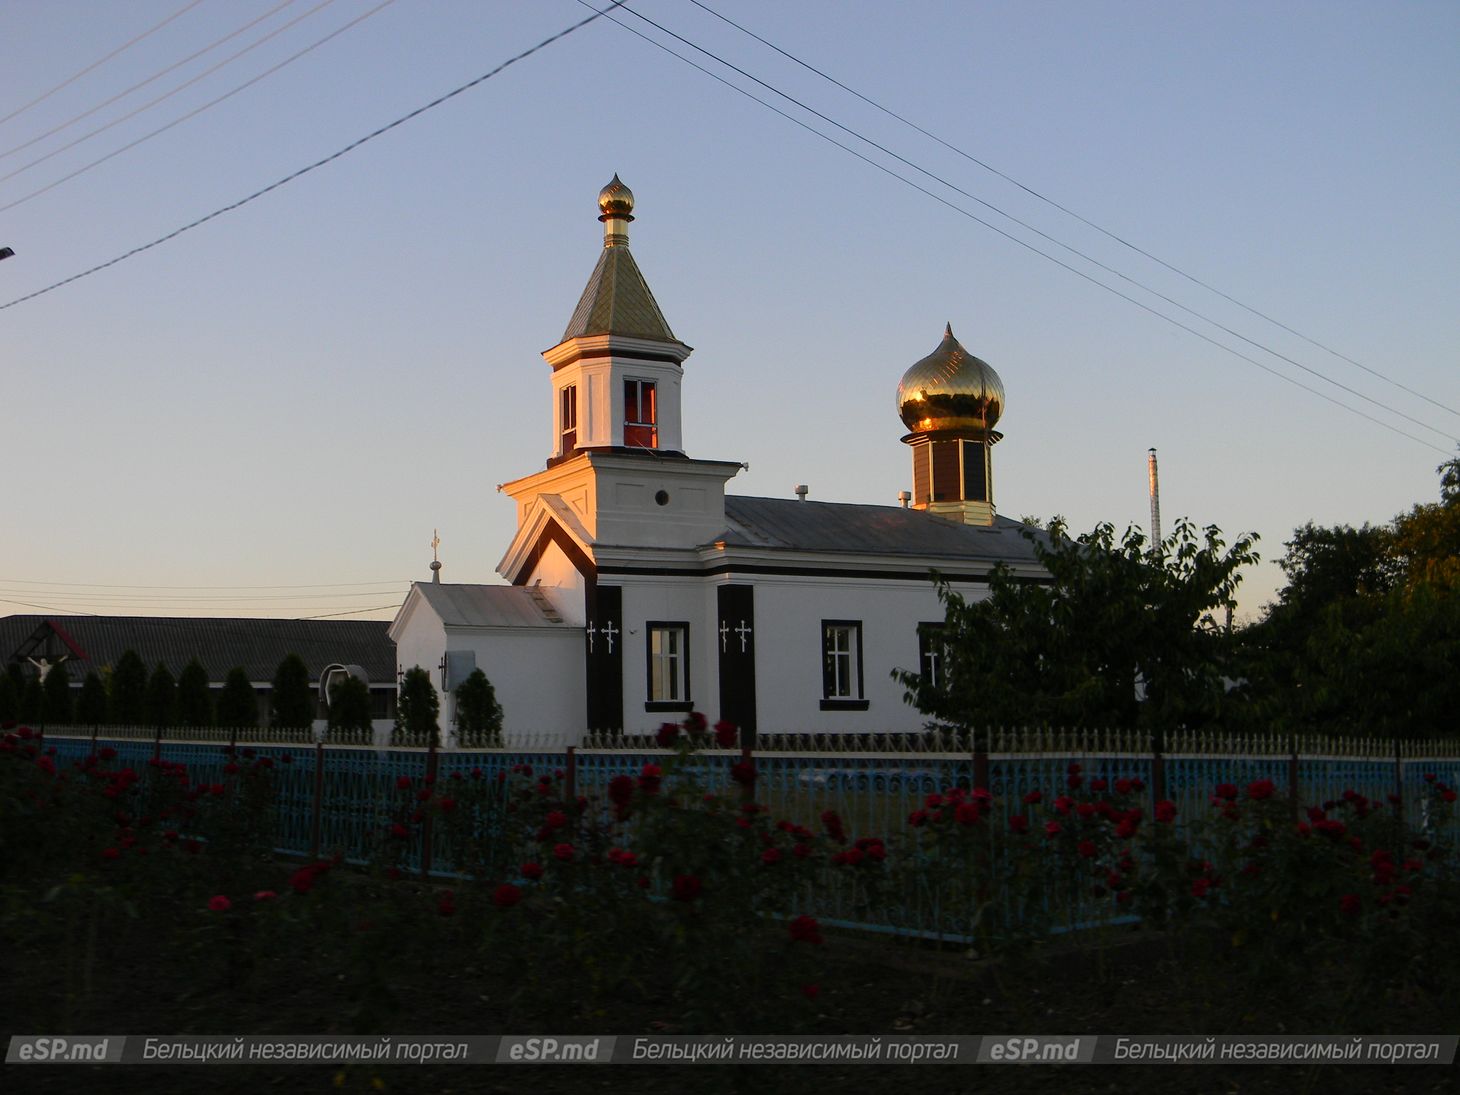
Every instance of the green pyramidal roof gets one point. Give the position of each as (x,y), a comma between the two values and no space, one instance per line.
(617,301)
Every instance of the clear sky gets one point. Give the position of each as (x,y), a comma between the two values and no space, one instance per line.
(297,392)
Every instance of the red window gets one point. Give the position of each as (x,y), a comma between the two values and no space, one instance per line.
(641,415)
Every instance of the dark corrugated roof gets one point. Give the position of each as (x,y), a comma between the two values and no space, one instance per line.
(220,644)
(793,525)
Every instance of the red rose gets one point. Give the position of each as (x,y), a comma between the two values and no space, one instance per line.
(111,853)
(770,856)
(1126,829)
(1166,811)
(556,819)
(668,735)
(726,734)
(1087,849)
(695,723)
(219,903)
(811,991)
(686,887)
(403,783)
(1099,784)
(649,779)
(1033,797)
(1227,791)
(1019,824)
(1350,904)
(1260,789)
(620,791)
(1200,887)
(1074,780)
(447,805)
(1063,805)
(965,813)
(801,851)
(1053,828)
(531,871)
(265,895)
(917,818)
(1123,786)
(506,895)
(563,852)
(805,929)
(743,773)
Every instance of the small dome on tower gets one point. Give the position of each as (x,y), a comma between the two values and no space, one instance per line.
(950,389)
(616,200)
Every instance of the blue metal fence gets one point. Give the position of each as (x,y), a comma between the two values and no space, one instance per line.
(335,799)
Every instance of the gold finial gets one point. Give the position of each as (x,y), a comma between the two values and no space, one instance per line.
(435,556)
(616,210)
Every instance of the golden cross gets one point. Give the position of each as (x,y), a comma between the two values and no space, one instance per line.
(435,543)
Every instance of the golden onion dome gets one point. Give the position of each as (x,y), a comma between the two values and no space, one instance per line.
(950,389)
(616,200)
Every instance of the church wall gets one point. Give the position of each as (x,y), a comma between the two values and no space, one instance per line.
(562,583)
(537,674)
(668,600)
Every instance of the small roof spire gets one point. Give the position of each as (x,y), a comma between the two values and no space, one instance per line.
(948,330)
(435,556)
(616,210)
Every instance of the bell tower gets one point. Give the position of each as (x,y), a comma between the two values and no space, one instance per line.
(617,371)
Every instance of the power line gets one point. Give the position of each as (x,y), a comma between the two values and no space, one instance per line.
(1025,244)
(319,163)
(97,64)
(1041,234)
(104,585)
(192,113)
(143,83)
(98,598)
(1071,213)
(357,612)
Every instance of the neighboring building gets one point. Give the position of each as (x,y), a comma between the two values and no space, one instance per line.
(89,643)
(639,589)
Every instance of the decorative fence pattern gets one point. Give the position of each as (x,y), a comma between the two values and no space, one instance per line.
(335,798)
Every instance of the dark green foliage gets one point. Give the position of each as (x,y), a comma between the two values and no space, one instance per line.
(161,698)
(91,704)
(194,700)
(33,701)
(349,705)
(292,702)
(478,714)
(10,688)
(128,700)
(1074,652)
(238,703)
(58,695)
(417,708)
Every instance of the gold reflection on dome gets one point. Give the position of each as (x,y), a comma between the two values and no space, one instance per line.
(616,200)
(950,389)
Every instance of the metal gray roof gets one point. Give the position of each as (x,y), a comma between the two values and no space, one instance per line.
(219,644)
(464,605)
(793,525)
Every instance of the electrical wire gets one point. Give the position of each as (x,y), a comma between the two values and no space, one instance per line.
(1025,244)
(318,163)
(190,114)
(105,585)
(1031,228)
(97,64)
(1071,213)
(141,84)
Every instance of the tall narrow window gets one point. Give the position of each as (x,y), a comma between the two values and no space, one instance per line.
(568,417)
(668,666)
(641,415)
(841,666)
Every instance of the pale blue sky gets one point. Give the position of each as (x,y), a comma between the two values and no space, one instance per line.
(299,391)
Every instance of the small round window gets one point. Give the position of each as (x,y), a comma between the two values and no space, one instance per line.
(662,497)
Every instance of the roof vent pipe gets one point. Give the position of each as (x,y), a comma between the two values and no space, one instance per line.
(904,496)
(802,490)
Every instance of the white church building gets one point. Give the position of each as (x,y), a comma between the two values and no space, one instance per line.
(640,589)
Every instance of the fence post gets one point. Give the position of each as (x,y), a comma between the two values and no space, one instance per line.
(1293,774)
(747,757)
(1158,765)
(157,742)
(1398,783)
(981,760)
(570,775)
(316,808)
(426,821)
(94,728)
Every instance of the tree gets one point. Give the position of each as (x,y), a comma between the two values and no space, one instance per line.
(292,700)
(478,714)
(33,701)
(349,705)
(128,698)
(58,695)
(161,698)
(417,709)
(91,704)
(238,703)
(194,699)
(1113,618)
